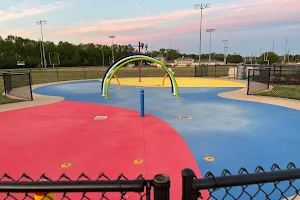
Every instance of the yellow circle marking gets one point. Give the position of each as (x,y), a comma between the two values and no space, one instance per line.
(209,159)
(182,82)
(66,165)
(138,161)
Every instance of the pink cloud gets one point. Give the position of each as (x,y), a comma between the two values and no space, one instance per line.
(21,13)
(221,16)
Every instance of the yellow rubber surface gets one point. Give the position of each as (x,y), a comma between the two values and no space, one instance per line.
(182,82)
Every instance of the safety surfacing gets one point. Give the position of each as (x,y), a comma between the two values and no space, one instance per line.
(221,133)
(182,82)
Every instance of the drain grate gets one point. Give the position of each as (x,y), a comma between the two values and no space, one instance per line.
(100,118)
(185,117)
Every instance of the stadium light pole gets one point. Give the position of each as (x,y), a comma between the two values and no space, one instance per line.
(201,6)
(210,31)
(112,47)
(41,23)
(225,48)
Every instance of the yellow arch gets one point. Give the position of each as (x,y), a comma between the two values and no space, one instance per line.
(147,59)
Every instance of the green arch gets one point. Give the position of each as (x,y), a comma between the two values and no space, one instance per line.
(147,59)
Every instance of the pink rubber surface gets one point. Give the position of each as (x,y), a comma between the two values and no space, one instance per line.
(38,140)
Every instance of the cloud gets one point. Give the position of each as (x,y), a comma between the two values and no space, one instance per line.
(16,12)
(235,20)
(245,13)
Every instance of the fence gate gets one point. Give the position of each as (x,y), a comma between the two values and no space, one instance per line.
(18,85)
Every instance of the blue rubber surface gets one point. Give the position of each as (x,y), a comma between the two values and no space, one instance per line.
(236,133)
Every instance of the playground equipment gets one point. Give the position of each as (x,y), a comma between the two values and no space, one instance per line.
(111,71)
(167,75)
(142,102)
(140,46)
(119,85)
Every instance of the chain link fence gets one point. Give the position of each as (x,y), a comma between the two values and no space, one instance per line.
(83,187)
(211,70)
(275,184)
(15,87)
(274,83)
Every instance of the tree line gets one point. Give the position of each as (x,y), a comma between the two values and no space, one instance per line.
(14,48)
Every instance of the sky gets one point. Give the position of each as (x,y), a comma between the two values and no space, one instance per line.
(250,26)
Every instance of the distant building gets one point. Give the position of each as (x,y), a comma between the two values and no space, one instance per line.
(160,58)
(183,62)
(206,62)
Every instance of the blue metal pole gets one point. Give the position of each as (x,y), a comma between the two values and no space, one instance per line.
(142,102)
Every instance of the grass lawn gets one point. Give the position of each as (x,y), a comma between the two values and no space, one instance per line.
(81,73)
(284,91)
(4,99)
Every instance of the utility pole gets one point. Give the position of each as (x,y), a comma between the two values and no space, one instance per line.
(288,56)
(286,44)
(41,23)
(225,50)
(210,31)
(260,52)
(112,47)
(102,56)
(201,6)
(151,49)
(273,47)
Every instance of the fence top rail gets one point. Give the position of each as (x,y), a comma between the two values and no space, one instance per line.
(73,186)
(246,179)
(15,73)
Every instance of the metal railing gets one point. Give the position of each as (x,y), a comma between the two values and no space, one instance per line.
(262,184)
(276,184)
(84,187)
(274,83)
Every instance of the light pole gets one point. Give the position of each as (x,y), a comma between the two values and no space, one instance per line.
(41,23)
(210,31)
(201,6)
(225,50)
(112,47)
(102,56)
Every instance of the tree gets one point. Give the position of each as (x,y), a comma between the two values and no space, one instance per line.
(268,56)
(235,58)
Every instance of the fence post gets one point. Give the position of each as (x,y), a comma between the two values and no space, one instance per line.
(269,77)
(161,183)
(142,102)
(215,70)
(280,70)
(248,85)
(57,75)
(187,184)
(30,86)
(84,72)
(4,83)
(195,73)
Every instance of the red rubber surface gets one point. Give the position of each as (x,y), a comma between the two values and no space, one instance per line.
(38,140)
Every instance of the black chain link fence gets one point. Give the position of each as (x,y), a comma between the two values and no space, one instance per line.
(84,187)
(274,83)
(258,80)
(212,70)
(275,184)
(15,86)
